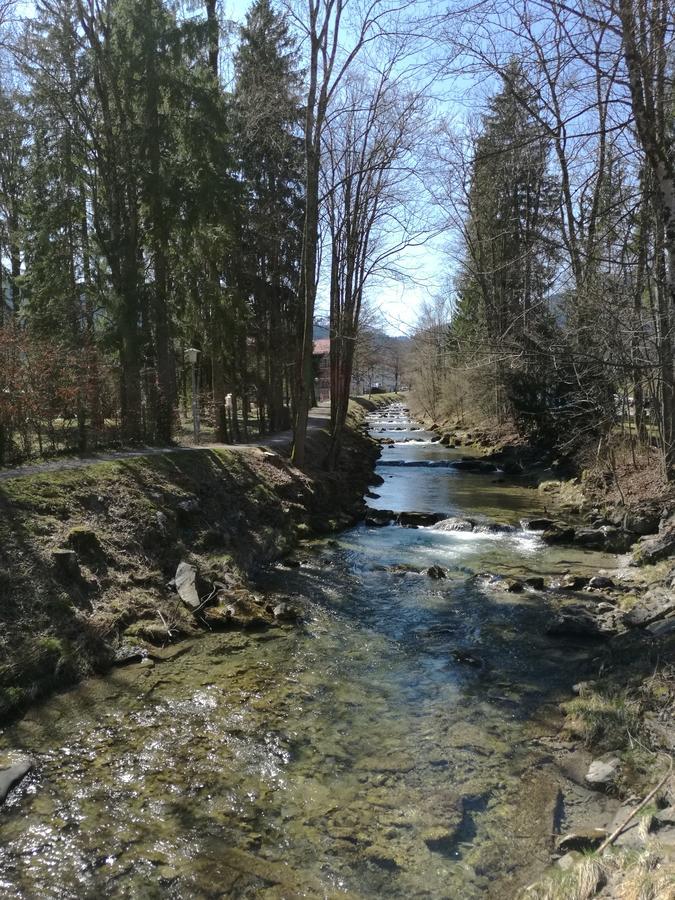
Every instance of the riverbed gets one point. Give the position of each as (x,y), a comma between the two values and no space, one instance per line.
(393,745)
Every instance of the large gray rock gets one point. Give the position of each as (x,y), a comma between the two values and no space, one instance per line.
(187,584)
(13,775)
(558,534)
(454,523)
(642,521)
(607,537)
(652,550)
(379,517)
(651,610)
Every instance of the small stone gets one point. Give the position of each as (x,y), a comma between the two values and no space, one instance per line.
(602,772)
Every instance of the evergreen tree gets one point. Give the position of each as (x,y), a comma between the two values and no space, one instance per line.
(268,114)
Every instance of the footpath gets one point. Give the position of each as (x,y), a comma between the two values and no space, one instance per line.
(319,416)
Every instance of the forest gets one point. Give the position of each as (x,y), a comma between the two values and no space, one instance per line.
(172,181)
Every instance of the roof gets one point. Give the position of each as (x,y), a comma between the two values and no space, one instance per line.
(321,346)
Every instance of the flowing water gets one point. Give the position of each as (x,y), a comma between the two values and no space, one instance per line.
(387,748)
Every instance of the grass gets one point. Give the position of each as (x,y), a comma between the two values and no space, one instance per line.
(628,875)
(604,722)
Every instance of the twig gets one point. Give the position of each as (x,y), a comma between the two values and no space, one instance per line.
(617,831)
(165,624)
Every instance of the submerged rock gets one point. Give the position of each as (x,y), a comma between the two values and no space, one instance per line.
(474,465)
(468,659)
(285,612)
(579,623)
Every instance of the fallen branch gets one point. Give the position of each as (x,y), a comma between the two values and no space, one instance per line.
(617,831)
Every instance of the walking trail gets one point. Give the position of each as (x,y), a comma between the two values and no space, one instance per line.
(319,416)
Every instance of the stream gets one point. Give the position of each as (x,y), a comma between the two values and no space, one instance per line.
(391,746)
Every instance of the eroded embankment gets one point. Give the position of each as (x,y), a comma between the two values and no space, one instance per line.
(86,555)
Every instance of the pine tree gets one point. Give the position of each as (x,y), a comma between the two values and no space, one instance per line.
(267,115)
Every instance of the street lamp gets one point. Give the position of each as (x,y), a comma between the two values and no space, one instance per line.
(192,355)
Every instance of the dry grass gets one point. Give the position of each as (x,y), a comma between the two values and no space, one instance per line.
(619,876)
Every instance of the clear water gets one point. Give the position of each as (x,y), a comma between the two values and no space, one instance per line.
(355,756)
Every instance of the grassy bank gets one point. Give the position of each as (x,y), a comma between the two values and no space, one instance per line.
(86,554)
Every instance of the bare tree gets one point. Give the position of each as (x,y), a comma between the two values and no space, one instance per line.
(371,187)
(334,33)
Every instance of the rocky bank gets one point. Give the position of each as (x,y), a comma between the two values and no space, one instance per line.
(120,560)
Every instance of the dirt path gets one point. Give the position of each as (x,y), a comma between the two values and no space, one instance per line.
(319,417)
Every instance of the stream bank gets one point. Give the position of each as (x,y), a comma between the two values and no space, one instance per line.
(622,719)
(86,554)
(403,741)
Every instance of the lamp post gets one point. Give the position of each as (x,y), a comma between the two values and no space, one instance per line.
(192,355)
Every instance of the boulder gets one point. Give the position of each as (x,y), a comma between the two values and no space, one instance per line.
(581,839)
(655,609)
(415,519)
(558,534)
(436,572)
(454,523)
(642,521)
(468,659)
(602,772)
(652,550)
(285,612)
(379,517)
(539,524)
(573,582)
(12,775)
(606,537)
(512,467)
(512,585)
(662,629)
